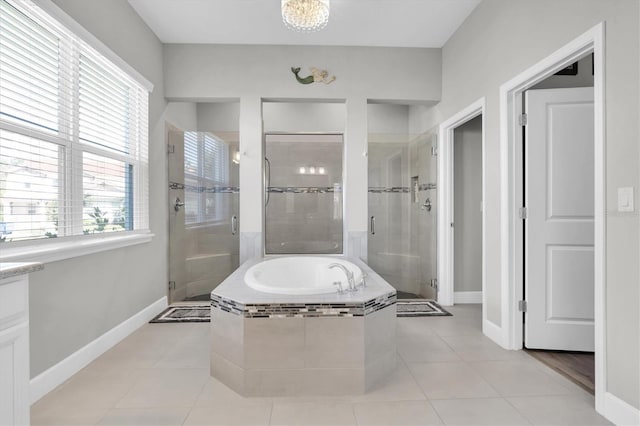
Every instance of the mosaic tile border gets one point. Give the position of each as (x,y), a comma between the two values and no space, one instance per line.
(401,189)
(304,189)
(201,189)
(303,310)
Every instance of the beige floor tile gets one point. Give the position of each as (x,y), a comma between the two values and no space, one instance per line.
(312,414)
(481,348)
(89,390)
(450,380)
(145,417)
(217,394)
(174,387)
(43,414)
(231,415)
(396,413)
(519,378)
(476,412)
(191,352)
(457,326)
(414,326)
(145,378)
(429,348)
(558,410)
(400,386)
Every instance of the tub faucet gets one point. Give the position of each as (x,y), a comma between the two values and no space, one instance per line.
(348,273)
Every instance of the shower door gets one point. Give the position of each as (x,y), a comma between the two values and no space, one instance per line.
(303,181)
(203,212)
(401,245)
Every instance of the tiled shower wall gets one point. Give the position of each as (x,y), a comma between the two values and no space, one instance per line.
(304,212)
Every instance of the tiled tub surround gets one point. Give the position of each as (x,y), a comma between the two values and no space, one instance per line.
(283,345)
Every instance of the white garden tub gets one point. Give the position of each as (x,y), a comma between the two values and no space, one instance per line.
(300,275)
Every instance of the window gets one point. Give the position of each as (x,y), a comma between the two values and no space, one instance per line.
(206,174)
(73,133)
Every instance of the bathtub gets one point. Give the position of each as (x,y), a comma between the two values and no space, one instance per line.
(300,337)
(300,275)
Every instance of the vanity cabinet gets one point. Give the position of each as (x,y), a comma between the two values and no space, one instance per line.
(14,343)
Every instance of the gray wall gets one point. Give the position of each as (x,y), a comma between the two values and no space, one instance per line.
(499,40)
(199,71)
(467,187)
(75,301)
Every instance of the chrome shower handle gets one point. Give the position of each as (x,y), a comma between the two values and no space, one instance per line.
(234,225)
(267,182)
(372,225)
(178,203)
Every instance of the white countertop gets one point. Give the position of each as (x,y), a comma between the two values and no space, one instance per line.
(234,288)
(11,269)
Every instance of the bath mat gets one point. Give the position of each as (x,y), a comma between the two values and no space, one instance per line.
(420,308)
(184,313)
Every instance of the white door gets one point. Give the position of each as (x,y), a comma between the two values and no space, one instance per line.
(559,229)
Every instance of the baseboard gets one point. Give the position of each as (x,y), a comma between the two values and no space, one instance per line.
(53,377)
(493,332)
(467,297)
(620,412)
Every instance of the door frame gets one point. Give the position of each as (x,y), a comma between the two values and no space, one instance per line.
(445,243)
(512,229)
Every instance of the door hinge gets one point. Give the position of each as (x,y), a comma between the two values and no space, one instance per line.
(434,151)
(171,149)
(523,212)
(522,119)
(172,285)
(434,283)
(522,305)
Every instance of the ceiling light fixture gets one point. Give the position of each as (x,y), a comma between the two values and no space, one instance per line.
(305,15)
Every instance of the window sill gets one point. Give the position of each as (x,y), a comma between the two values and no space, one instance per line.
(49,251)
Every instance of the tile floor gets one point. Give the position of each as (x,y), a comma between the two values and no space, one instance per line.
(448,373)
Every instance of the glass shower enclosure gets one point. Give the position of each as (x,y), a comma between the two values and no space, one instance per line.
(303,184)
(401,245)
(203,212)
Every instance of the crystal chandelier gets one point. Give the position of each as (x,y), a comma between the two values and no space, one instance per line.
(305,15)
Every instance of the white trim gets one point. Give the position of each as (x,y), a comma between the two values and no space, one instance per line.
(53,377)
(61,16)
(53,250)
(511,193)
(467,297)
(445,202)
(620,412)
(493,332)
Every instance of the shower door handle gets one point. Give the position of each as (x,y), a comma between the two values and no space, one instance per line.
(234,225)
(177,204)
(372,225)
(267,180)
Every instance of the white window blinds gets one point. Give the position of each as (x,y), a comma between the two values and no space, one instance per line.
(206,174)
(73,133)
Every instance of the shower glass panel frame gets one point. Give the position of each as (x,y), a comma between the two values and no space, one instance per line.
(402,207)
(303,193)
(203,212)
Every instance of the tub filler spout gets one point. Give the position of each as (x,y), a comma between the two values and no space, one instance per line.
(350,280)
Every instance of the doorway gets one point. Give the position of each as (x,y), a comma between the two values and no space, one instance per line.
(467,212)
(447,210)
(558,224)
(513,194)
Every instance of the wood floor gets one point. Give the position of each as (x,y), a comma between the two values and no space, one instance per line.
(576,366)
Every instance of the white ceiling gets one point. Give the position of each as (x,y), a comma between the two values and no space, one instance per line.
(392,23)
